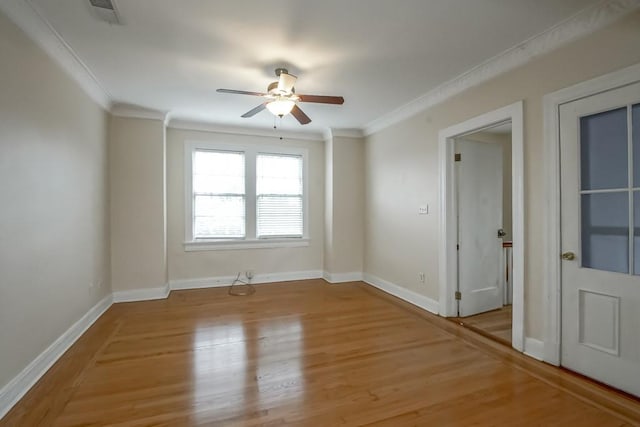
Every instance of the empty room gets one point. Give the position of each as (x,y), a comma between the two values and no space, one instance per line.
(305,213)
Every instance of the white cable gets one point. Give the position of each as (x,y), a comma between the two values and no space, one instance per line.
(250,290)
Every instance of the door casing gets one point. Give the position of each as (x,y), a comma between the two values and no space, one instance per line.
(448,268)
(552,229)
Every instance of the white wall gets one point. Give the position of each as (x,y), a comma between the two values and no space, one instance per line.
(344,211)
(137,178)
(402,163)
(328,204)
(204,264)
(401,174)
(54,230)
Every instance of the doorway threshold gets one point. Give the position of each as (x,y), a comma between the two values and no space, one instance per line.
(495,324)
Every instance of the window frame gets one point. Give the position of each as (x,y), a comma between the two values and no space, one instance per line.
(250,241)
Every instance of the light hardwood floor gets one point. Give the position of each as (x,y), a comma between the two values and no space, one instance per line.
(495,323)
(303,354)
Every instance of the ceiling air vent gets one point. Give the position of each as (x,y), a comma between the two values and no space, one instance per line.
(106,10)
(104,4)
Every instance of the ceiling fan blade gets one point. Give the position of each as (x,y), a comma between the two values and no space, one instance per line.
(255,111)
(338,100)
(286,82)
(300,115)
(240,92)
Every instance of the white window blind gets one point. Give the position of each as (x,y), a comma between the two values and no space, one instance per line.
(218,194)
(279,198)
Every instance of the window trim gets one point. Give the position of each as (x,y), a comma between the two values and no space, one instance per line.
(250,241)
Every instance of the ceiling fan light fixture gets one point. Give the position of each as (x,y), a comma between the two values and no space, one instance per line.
(281,107)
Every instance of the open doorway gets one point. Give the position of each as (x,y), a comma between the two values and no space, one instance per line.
(484,223)
(448,251)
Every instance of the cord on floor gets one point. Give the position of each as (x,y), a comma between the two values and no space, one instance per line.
(242,288)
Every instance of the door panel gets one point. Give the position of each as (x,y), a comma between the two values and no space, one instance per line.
(479,192)
(600,220)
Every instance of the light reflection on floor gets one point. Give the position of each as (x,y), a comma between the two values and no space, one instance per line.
(233,366)
(283,374)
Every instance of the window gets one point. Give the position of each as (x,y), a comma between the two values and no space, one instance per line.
(610,190)
(279,195)
(244,196)
(218,195)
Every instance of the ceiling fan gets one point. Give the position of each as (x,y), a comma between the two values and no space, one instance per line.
(281,98)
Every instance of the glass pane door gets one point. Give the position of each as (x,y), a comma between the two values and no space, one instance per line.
(610,190)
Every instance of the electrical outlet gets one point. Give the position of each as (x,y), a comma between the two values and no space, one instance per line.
(421,277)
(423,210)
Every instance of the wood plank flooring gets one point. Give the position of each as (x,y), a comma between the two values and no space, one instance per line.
(303,354)
(495,323)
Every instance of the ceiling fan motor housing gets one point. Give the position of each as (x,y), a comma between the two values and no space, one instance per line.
(273,89)
(280,71)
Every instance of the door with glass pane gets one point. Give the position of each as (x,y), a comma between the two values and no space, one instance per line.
(600,213)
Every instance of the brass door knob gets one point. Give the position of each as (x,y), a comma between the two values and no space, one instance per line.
(569,256)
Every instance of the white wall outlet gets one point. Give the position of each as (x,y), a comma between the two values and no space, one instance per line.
(421,276)
(423,210)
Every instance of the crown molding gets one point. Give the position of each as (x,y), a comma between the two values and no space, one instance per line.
(329,133)
(132,111)
(26,16)
(579,25)
(237,130)
(347,133)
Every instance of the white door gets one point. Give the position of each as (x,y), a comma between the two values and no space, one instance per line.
(600,211)
(479,192)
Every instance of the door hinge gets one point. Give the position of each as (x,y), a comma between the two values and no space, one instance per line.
(458,157)
(458,295)
(457,247)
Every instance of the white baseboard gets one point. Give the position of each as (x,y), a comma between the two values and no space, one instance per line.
(201,283)
(222,281)
(534,348)
(13,391)
(354,276)
(287,277)
(142,294)
(411,297)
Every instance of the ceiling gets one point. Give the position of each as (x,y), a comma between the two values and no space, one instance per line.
(172,55)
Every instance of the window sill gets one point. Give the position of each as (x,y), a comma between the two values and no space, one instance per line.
(228,245)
